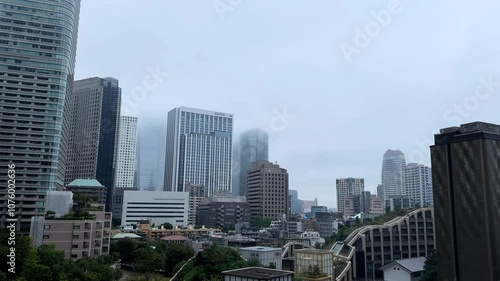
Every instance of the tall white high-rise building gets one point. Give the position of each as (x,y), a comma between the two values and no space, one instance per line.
(417,182)
(392,173)
(347,188)
(127,147)
(199,150)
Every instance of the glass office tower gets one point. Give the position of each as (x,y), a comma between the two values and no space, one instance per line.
(37,59)
(254,146)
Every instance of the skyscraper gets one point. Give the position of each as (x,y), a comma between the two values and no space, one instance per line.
(127,148)
(417,182)
(380,191)
(253,147)
(94,118)
(296,207)
(151,154)
(267,190)
(37,60)
(347,188)
(465,175)
(199,150)
(392,173)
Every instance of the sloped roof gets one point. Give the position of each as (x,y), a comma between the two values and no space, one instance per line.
(85,183)
(412,265)
(174,238)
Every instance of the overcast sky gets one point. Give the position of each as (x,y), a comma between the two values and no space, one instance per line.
(336,82)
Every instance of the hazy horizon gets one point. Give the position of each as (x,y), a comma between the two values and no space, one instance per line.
(336,83)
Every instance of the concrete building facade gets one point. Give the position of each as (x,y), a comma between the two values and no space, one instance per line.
(92,188)
(157,207)
(196,195)
(266,255)
(397,202)
(267,193)
(370,247)
(78,238)
(417,183)
(465,170)
(221,211)
(347,188)
(94,118)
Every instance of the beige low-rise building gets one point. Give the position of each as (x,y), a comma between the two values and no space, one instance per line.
(77,237)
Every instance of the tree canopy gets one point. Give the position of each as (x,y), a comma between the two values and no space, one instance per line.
(430,269)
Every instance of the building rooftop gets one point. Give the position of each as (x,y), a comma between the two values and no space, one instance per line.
(313,251)
(260,249)
(85,183)
(258,273)
(174,238)
(412,265)
(473,127)
(126,235)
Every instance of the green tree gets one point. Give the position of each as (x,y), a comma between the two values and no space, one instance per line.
(430,269)
(147,260)
(52,258)
(253,262)
(34,271)
(228,227)
(175,254)
(168,225)
(125,248)
(261,222)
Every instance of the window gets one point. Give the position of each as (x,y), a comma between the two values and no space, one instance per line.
(76,236)
(46,227)
(75,246)
(76,227)
(46,237)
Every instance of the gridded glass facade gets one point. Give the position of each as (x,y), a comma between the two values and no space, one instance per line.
(151,154)
(199,150)
(37,57)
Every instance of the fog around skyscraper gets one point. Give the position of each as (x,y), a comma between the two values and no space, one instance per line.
(151,147)
(253,146)
(415,77)
(393,164)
